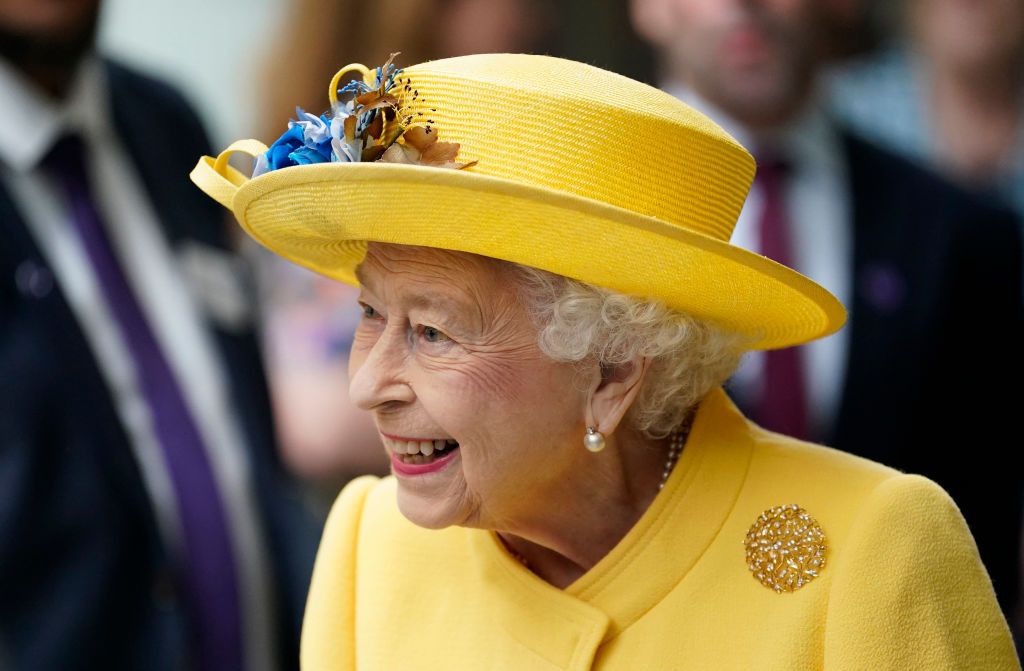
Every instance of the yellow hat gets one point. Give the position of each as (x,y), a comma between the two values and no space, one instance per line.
(578,171)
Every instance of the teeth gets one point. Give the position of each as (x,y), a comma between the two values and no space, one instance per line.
(413,449)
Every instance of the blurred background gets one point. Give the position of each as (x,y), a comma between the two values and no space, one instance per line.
(924,97)
(222,56)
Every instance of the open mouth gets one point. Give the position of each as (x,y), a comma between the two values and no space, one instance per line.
(420,451)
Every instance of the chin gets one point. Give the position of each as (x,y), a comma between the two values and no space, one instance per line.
(425,511)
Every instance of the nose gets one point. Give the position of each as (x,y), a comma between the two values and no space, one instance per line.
(378,378)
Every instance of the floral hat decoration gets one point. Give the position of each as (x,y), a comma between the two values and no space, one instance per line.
(532,159)
(372,125)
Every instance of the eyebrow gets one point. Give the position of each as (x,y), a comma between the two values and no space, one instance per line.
(456,310)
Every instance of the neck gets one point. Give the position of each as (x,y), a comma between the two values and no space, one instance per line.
(55,82)
(595,508)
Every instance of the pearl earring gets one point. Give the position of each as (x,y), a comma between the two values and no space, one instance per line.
(594,440)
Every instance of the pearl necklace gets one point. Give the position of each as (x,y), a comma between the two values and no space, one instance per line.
(674,449)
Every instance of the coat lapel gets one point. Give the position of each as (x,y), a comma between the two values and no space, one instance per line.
(880,316)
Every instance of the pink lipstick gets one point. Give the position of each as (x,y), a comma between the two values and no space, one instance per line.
(402,468)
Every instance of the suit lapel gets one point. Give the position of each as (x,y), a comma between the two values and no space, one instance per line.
(18,245)
(881,220)
(46,317)
(145,139)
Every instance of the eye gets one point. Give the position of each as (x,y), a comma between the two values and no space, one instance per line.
(431,334)
(369,312)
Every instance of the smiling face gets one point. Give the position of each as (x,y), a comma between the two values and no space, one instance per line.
(753,60)
(446,357)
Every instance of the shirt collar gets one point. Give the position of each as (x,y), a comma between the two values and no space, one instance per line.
(33,121)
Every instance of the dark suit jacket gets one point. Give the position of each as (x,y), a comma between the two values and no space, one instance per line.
(935,342)
(84,577)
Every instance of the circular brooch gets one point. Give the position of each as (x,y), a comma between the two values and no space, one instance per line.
(785,548)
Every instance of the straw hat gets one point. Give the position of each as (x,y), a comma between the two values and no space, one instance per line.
(578,171)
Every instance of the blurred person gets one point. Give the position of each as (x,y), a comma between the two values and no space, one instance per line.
(542,343)
(950,94)
(310,320)
(927,270)
(145,520)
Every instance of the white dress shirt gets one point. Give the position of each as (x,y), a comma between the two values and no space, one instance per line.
(819,213)
(32,123)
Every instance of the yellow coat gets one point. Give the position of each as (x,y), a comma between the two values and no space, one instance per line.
(902,586)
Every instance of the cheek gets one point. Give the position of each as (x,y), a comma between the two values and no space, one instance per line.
(504,379)
(501,411)
(465,400)
(518,377)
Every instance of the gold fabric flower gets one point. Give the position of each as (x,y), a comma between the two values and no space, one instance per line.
(419,146)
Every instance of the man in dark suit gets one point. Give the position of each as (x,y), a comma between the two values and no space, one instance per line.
(930,274)
(145,519)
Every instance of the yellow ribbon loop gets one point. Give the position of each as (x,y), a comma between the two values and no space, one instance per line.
(217,178)
(332,92)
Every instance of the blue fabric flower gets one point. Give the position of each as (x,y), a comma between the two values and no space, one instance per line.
(278,155)
(316,135)
(306,156)
(306,141)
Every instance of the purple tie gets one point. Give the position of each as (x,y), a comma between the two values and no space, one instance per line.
(208,575)
(782,406)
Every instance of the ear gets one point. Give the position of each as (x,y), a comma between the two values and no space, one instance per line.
(652,20)
(613,394)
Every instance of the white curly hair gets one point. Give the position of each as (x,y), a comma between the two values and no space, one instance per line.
(688,356)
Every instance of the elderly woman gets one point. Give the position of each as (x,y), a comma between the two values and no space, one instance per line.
(550,305)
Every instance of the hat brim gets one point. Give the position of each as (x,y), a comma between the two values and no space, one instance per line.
(322,216)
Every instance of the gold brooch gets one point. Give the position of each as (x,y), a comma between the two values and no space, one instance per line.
(785,548)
